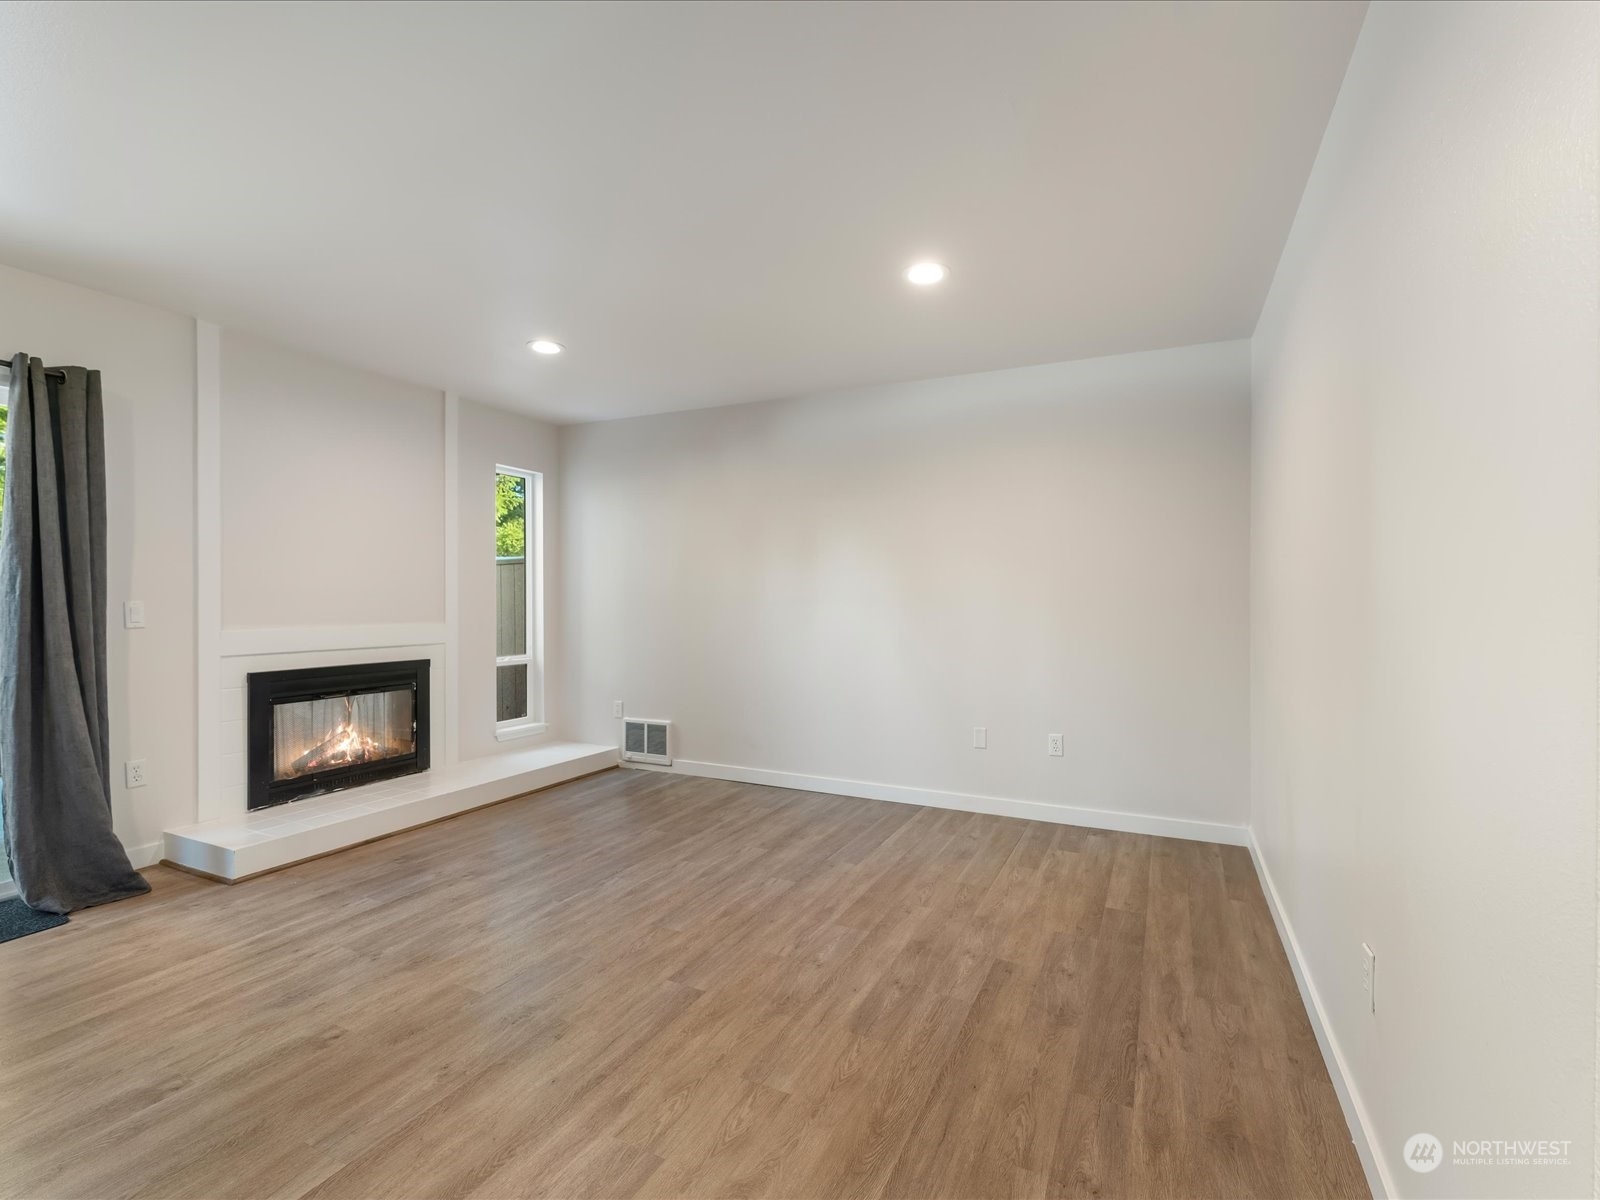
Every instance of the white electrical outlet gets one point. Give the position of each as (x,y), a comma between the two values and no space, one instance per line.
(980,737)
(1057,745)
(133,614)
(1369,981)
(134,770)
(616,708)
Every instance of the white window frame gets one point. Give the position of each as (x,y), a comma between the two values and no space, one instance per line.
(533,564)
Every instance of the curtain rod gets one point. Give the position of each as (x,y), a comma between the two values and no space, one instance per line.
(48,370)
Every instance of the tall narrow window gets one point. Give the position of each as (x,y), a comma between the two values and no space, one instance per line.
(519,640)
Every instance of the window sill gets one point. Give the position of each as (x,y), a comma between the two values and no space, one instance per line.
(510,733)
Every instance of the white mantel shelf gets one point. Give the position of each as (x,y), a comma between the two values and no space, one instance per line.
(232,849)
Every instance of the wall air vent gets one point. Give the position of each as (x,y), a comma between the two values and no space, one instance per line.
(645,741)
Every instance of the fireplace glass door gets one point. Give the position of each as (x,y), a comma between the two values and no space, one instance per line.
(310,736)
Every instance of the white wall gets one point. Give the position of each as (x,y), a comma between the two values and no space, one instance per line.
(146,360)
(332,492)
(1427,466)
(844,585)
(491,437)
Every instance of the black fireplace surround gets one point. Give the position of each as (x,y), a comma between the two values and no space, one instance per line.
(321,729)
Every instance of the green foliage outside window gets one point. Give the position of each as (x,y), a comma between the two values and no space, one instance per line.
(510,516)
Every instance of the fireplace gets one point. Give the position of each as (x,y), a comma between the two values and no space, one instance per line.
(325,728)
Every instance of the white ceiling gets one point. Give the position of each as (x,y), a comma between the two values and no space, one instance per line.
(705,203)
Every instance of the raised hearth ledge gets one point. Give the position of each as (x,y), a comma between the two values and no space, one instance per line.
(232,849)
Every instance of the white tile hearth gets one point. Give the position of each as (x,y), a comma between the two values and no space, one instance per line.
(237,847)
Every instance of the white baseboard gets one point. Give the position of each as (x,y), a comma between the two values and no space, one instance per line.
(147,855)
(1031,810)
(1355,1112)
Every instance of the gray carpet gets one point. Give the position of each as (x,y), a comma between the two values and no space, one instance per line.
(18,920)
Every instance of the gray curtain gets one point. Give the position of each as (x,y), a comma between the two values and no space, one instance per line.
(55,754)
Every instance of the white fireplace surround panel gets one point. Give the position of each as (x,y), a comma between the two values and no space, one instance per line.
(245,651)
(228,841)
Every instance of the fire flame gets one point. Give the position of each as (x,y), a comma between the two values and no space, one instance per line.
(345,745)
(350,745)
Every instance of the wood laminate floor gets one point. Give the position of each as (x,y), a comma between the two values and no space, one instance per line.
(643,985)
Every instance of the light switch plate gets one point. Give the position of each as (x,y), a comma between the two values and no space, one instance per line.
(133,614)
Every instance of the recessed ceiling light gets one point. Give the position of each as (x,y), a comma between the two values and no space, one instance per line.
(924,274)
(544,346)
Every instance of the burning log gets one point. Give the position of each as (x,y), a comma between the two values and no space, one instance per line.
(344,746)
